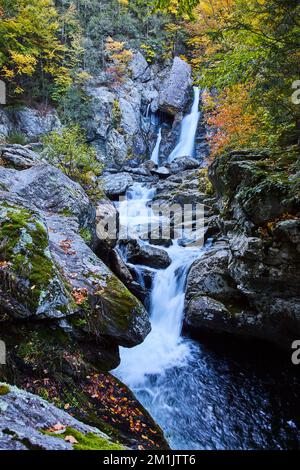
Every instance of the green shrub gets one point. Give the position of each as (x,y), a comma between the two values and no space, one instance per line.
(16,137)
(69,151)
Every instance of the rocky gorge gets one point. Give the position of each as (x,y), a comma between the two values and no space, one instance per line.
(69,300)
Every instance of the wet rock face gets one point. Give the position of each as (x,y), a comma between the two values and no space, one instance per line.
(256,276)
(24,416)
(176,90)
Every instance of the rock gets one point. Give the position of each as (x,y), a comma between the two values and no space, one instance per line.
(103,103)
(116,148)
(113,311)
(256,278)
(5,125)
(206,312)
(24,417)
(259,195)
(139,68)
(138,252)
(209,275)
(287,230)
(18,157)
(30,284)
(161,171)
(49,236)
(119,267)
(30,122)
(183,163)
(130,113)
(51,191)
(106,215)
(175,92)
(34,124)
(117,184)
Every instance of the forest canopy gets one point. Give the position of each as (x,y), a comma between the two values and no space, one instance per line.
(245,54)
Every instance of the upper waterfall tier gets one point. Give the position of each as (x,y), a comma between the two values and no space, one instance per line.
(186,144)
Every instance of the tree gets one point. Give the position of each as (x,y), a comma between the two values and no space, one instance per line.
(35,59)
(69,151)
(250,46)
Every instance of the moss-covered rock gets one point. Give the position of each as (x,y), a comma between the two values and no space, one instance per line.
(31,282)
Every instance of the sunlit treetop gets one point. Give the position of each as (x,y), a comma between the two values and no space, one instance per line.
(176,7)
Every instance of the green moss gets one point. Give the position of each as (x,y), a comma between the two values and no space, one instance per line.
(86,235)
(4,389)
(120,302)
(25,247)
(88,441)
(66,213)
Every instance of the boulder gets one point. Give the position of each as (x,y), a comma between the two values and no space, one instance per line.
(139,68)
(116,149)
(42,218)
(175,92)
(106,216)
(18,157)
(183,163)
(27,422)
(139,252)
(205,312)
(30,284)
(115,185)
(34,123)
(209,275)
(161,172)
(103,102)
(51,191)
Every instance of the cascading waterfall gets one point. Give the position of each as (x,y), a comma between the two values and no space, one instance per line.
(201,395)
(155,153)
(186,144)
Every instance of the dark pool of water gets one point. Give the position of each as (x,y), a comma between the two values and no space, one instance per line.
(231,395)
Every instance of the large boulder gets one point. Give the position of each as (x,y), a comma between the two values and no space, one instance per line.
(139,252)
(175,92)
(34,123)
(27,422)
(43,216)
(116,184)
(183,163)
(30,283)
(139,68)
(18,157)
(30,122)
(50,191)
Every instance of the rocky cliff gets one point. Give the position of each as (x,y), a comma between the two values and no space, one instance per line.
(247,282)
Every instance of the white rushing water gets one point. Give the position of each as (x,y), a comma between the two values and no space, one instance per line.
(186,144)
(164,347)
(155,153)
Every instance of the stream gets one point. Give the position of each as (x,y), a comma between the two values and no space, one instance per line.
(209,392)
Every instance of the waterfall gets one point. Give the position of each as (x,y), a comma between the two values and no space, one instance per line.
(164,347)
(186,144)
(155,153)
(201,396)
